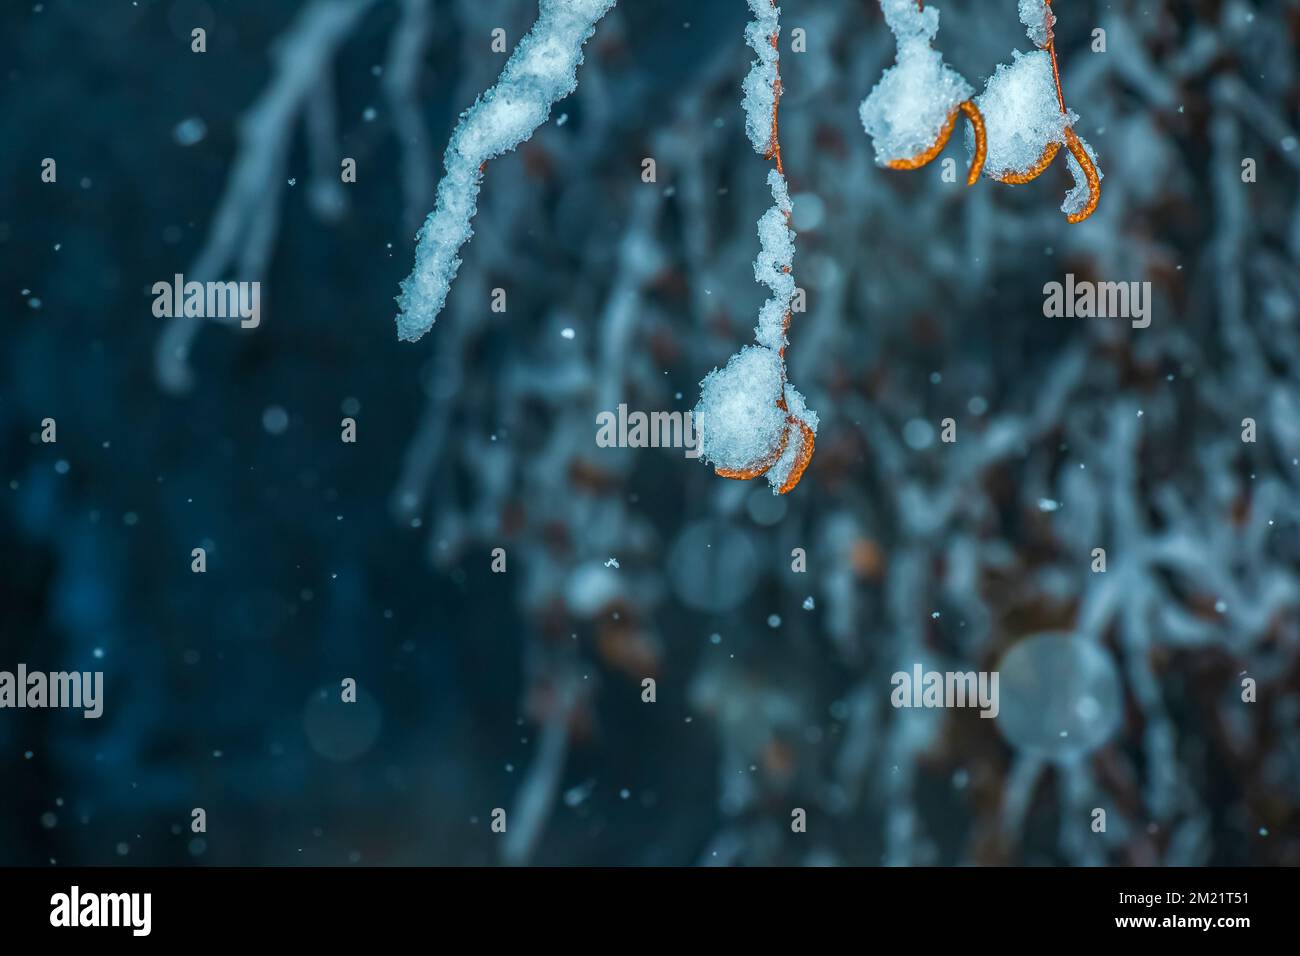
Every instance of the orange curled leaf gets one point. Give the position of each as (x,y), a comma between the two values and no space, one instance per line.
(804,457)
(754,471)
(1034,171)
(742,474)
(981,140)
(945,133)
(919,160)
(1090,173)
(1071,138)
(807,441)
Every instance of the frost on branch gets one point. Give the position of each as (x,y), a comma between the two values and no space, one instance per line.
(902,527)
(1017,125)
(542,70)
(762,83)
(1038,20)
(773,265)
(750,421)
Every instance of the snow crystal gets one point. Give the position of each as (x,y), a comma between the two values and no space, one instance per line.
(906,111)
(759,86)
(773,265)
(1038,19)
(1078,197)
(737,417)
(1022,115)
(542,70)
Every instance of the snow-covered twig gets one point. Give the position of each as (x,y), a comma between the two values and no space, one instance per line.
(542,69)
(751,421)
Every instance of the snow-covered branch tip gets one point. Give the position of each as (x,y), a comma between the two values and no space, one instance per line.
(1018,124)
(751,421)
(542,70)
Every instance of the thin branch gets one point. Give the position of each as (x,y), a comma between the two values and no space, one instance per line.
(807,436)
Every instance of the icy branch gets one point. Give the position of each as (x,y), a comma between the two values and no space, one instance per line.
(740,425)
(542,70)
(773,265)
(762,83)
(751,421)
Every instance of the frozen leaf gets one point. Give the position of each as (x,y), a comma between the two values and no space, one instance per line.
(801,429)
(1078,198)
(911,112)
(913,105)
(1022,116)
(740,425)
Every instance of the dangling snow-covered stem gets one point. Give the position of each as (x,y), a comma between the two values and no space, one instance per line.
(751,421)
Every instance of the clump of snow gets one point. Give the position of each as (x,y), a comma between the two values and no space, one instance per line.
(906,111)
(542,70)
(1038,20)
(739,423)
(1078,197)
(741,426)
(773,265)
(759,86)
(1022,115)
